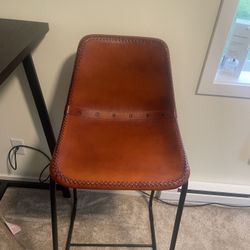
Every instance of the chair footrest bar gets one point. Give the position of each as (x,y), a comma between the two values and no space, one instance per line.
(108,245)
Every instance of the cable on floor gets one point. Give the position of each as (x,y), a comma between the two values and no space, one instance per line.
(195,205)
(12,156)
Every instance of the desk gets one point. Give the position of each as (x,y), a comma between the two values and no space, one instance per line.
(17,39)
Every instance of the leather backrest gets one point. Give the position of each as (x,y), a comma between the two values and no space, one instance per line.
(120,73)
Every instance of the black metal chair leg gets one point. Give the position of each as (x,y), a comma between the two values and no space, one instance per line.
(53,214)
(151,218)
(178,215)
(72,220)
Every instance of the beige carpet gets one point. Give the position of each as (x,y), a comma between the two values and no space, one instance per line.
(112,218)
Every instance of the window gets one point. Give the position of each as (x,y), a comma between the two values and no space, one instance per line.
(226,71)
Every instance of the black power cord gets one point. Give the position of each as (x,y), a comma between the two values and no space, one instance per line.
(13,154)
(194,205)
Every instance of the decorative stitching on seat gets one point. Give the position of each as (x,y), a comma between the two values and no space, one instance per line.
(117,114)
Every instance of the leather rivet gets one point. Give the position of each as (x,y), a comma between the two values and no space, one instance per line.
(97,114)
(147,115)
(114,115)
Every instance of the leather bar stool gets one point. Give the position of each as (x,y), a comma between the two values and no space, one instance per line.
(120,130)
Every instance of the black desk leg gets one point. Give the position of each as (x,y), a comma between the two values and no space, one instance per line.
(3,187)
(41,107)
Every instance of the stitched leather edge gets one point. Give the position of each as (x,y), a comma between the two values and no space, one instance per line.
(121,185)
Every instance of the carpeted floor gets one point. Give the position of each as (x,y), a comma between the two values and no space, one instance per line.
(112,218)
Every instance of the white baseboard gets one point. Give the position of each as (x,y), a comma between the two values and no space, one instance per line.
(229,197)
(18,178)
(228,189)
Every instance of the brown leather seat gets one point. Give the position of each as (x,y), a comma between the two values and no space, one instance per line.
(120,129)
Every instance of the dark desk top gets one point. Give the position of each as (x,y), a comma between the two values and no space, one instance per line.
(17,39)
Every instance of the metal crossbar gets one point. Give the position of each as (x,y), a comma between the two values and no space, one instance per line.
(108,245)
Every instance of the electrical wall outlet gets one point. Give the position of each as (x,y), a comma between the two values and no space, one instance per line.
(16,142)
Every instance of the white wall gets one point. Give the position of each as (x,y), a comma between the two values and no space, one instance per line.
(216,131)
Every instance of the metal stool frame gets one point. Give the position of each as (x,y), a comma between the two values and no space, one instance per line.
(151,219)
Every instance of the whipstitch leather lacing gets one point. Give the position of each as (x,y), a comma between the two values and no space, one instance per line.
(120,184)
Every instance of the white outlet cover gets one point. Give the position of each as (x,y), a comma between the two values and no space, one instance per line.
(16,142)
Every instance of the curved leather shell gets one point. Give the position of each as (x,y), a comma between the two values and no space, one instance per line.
(120,129)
